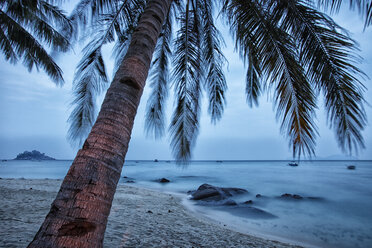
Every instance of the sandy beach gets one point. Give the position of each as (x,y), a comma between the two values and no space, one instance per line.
(139,218)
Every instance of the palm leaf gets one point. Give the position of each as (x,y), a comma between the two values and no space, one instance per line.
(155,119)
(28,48)
(58,17)
(186,73)
(6,47)
(28,25)
(253,77)
(90,77)
(124,29)
(368,14)
(330,60)
(255,29)
(213,61)
(40,16)
(363,7)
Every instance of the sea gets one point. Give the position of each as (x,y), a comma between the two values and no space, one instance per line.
(334,207)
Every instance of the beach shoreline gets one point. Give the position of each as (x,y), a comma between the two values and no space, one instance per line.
(139,218)
(222,218)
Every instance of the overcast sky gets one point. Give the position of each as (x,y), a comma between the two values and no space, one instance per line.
(34,112)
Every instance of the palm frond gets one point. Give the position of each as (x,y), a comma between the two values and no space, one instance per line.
(368,14)
(121,46)
(255,30)
(330,60)
(26,27)
(362,6)
(155,110)
(124,28)
(40,18)
(63,24)
(89,12)
(88,83)
(28,48)
(6,47)
(185,120)
(335,5)
(90,77)
(80,17)
(253,85)
(213,60)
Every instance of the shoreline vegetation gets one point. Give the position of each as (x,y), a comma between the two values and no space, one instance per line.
(139,218)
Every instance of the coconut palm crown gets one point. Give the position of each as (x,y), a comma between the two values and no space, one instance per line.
(290,47)
(26,26)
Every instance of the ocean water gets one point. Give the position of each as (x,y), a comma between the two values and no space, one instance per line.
(335,211)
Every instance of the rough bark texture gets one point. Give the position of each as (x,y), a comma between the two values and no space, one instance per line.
(78,215)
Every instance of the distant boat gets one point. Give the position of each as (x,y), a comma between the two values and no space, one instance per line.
(351,167)
(293,164)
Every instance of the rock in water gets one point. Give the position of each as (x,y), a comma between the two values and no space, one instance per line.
(207,192)
(164,180)
(290,196)
(230,202)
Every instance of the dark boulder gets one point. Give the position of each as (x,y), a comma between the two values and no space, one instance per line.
(164,180)
(297,197)
(229,202)
(128,179)
(351,167)
(290,196)
(207,192)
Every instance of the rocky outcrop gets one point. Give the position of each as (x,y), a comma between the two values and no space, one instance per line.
(33,155)
(290,196)
(164,180)
(207,192)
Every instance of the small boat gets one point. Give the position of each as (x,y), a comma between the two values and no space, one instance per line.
(292,164)
(351,167)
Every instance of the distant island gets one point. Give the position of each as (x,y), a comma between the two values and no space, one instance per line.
(34,155)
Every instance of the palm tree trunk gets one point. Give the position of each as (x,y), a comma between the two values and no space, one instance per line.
(78,215)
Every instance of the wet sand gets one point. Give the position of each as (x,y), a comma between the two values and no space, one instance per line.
(138,218)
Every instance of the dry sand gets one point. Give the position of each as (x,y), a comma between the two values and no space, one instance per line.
(139,218)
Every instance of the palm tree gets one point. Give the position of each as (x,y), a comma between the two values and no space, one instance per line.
(290,47)
(25,26)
